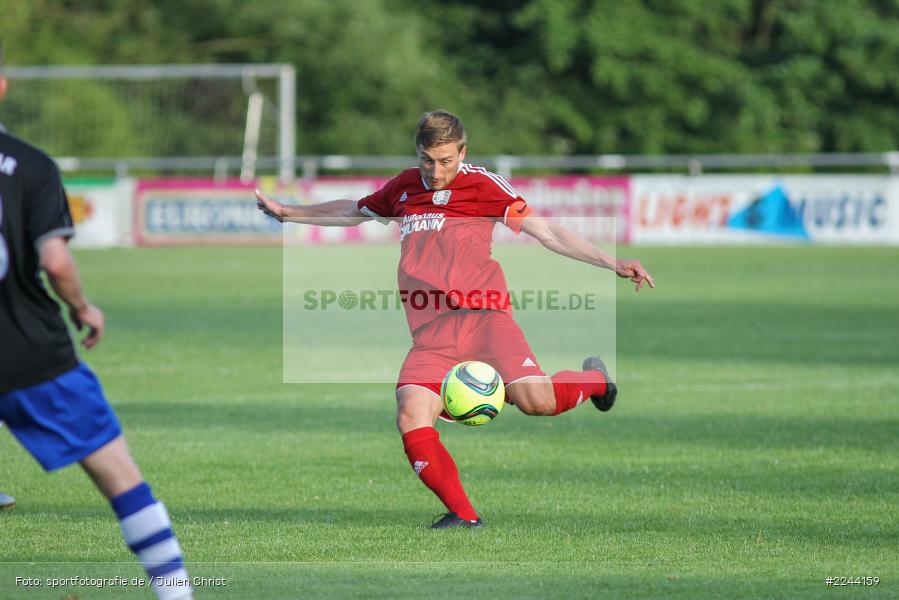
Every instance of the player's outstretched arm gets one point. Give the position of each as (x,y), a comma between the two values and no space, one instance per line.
(62,272)
(339,213)
(567,243)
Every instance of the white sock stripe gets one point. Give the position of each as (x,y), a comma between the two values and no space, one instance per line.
(144,523)
(173,586)
(163,552)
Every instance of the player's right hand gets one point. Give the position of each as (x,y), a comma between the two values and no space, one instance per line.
(93,318)
(272,208)
(633,270)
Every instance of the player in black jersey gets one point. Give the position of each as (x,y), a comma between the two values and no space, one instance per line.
(7,502)
(52,402)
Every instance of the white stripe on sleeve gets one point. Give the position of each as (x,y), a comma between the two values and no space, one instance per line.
(370,213)
(502,183)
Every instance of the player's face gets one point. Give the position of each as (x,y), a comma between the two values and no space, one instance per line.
(440,164)
(2,87)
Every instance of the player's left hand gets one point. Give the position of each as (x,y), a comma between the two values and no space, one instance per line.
(91,317)
(633,270)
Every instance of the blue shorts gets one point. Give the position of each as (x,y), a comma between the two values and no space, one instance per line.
(63,420)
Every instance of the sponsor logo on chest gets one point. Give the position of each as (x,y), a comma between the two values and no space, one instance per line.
(423,222)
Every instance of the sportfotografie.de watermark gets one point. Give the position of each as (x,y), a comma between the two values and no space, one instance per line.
(440,300)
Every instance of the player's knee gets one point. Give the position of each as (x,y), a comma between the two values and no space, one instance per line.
(405,422)
(415,409)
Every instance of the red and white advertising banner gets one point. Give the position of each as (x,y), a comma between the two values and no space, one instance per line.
(101,211)
(186,211)
(201,211)
(595,207)
(841,209)
(643,209)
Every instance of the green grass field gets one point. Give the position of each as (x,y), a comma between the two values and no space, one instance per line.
(752,454)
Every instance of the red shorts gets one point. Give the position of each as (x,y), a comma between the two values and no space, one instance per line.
(490,336)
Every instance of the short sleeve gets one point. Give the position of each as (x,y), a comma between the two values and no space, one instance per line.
(500,200)
(377,205)
(515,215)
(47,209)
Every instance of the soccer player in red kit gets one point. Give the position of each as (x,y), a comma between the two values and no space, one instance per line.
(455,295)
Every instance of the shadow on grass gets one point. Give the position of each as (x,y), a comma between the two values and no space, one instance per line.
(585,524)
(752,432)
(374,411)
(263,417)
(761,332)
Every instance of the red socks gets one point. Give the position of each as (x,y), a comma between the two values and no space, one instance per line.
(573,387)
(436,469)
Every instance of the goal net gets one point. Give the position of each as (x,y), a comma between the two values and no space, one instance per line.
(163,111)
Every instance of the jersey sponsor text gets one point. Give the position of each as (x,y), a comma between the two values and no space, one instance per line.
(423,222)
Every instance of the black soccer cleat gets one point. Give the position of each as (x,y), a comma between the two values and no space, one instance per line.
(451,519)
(607,400)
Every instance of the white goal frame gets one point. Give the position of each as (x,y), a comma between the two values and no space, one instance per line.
(285,74)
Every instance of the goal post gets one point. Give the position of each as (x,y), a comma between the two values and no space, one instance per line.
(157,111)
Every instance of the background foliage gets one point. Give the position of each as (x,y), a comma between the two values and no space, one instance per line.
(529,76)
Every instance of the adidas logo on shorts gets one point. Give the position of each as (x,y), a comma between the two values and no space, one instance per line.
(528,362)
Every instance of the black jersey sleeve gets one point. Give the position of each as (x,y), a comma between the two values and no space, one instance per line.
(47,209)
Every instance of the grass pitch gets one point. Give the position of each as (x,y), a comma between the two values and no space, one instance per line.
(752,453)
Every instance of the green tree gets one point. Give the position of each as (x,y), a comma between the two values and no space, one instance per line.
(527,76)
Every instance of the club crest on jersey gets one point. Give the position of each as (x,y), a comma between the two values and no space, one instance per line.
(441,198)
(403,197)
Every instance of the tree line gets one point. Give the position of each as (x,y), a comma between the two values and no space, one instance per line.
(527,76)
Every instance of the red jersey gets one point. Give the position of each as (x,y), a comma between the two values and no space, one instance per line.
(446,236)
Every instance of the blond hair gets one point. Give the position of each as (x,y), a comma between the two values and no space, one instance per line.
(439,127)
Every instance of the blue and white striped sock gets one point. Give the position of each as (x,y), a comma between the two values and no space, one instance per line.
(148,532)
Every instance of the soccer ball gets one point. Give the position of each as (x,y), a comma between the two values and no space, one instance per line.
(473,393)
